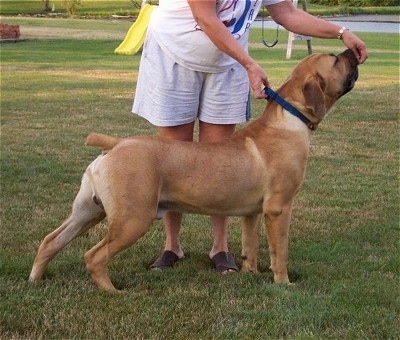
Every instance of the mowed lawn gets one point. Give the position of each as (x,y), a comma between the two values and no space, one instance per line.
(64,82)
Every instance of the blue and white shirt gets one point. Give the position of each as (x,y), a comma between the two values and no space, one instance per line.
(173,26)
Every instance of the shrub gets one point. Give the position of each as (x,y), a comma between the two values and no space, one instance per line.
(72,6)
(356,3)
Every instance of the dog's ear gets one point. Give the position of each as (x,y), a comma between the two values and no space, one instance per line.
(314,96)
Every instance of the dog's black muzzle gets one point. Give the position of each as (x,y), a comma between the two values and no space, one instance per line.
(353,74)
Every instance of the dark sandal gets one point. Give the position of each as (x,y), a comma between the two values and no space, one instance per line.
(224,262)
(166,260)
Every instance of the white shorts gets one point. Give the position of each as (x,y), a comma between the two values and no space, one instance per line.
(168,94)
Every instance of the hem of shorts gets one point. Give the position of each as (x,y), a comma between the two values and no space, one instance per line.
(163,123)
(224,121)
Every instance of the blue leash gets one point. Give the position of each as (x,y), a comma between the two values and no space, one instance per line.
(271,94)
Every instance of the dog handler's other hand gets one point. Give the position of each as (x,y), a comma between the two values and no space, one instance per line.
(258,79)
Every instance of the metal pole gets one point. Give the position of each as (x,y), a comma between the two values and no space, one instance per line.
(304,3)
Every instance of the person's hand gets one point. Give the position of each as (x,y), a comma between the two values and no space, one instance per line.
(258,79)
(356,45)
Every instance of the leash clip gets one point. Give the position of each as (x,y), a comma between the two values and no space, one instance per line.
(311,126)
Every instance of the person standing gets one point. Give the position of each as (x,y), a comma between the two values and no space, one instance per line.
(195,66)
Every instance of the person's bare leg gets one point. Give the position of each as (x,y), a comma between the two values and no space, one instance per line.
(220,233)
(172,226)
(172,220)
(215,133)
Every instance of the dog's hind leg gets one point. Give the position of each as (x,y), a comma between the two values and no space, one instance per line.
(85,214)
(250,242)
(121,235)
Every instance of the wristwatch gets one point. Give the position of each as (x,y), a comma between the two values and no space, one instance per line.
(341,31)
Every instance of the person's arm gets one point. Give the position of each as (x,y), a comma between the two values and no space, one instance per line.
(205,14)
(300,22)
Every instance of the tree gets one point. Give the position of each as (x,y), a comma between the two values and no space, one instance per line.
(46,5)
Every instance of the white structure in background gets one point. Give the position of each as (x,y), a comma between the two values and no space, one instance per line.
(144,2)
(293,36)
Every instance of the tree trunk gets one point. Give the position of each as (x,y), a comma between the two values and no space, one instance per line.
(46,5)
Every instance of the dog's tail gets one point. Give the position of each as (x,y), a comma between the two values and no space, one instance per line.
(102,141)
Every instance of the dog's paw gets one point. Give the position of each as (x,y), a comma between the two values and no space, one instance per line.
(249,266)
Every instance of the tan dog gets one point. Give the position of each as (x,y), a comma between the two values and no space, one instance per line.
(257,171)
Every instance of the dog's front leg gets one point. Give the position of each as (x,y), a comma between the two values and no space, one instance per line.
(250,242)
(277,224)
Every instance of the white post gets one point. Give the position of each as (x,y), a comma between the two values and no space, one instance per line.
(144,2)
(290,38)
(293,36)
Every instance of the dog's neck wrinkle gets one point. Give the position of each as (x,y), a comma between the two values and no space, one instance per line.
(305,112)
(276,117)
(289,122)
(301,107)
(287,93)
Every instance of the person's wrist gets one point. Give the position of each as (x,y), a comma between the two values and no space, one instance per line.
(341,32)
(249,64)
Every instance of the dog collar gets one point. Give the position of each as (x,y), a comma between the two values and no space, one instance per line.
(271,94)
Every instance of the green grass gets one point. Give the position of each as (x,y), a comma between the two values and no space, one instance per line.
(344,240)
(87,7)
